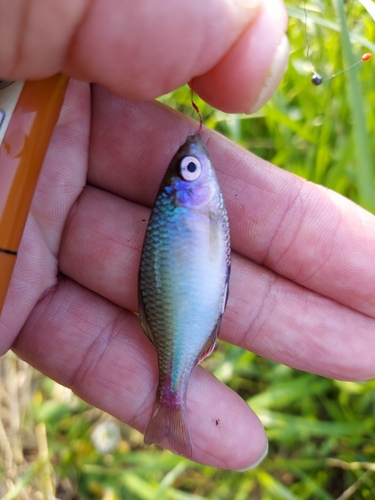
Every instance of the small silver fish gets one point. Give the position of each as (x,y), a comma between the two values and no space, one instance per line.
(183,283)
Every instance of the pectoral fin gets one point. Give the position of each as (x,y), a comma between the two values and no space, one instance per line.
(143,319)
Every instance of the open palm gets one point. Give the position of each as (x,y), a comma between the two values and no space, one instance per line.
(302,283)
(302,288)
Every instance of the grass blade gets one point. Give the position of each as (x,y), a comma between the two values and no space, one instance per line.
(369,6)
(360,135)
(298,13)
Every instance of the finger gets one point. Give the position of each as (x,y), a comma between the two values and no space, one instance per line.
(283,321)
(100,351)
(247,76)
(64,170)
(137,49)
(24,28)
(102,241)
(304,232)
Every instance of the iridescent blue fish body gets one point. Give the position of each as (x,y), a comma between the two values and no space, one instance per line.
(183,283)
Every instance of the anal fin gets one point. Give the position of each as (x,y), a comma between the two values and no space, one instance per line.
(208,351)
(143,319)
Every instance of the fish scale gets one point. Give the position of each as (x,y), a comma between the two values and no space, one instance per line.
(183,283)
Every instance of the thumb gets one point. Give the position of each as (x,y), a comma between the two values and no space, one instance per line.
(138,49)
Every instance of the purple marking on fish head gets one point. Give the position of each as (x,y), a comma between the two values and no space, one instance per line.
(190,179)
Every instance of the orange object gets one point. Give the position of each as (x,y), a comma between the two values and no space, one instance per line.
(366,56)
(28,113)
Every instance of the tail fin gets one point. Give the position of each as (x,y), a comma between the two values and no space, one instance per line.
(170,422)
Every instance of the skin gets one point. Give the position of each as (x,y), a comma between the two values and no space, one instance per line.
(304,254)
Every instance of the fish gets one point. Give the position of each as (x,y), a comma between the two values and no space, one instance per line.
(183,284)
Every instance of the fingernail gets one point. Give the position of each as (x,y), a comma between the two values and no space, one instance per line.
(247,9)
(277,70)
(252,466)
(248,4)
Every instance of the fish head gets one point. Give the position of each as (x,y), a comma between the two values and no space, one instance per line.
(190,179)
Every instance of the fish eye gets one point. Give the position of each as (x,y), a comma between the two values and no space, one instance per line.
(190,168)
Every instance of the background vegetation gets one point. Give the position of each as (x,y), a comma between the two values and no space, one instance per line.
(322,432)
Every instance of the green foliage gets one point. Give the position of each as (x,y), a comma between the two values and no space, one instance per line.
(322,432)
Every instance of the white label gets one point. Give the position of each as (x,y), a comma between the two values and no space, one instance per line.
(8,99)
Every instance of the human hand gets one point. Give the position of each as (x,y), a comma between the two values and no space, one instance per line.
(316,290)
(302,282)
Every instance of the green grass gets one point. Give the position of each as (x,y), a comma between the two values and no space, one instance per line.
(322,432)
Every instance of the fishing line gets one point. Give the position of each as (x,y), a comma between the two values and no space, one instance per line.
(316,78)
(307,40)
(197,110)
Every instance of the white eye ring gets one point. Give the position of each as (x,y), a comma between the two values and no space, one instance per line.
(190,168)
